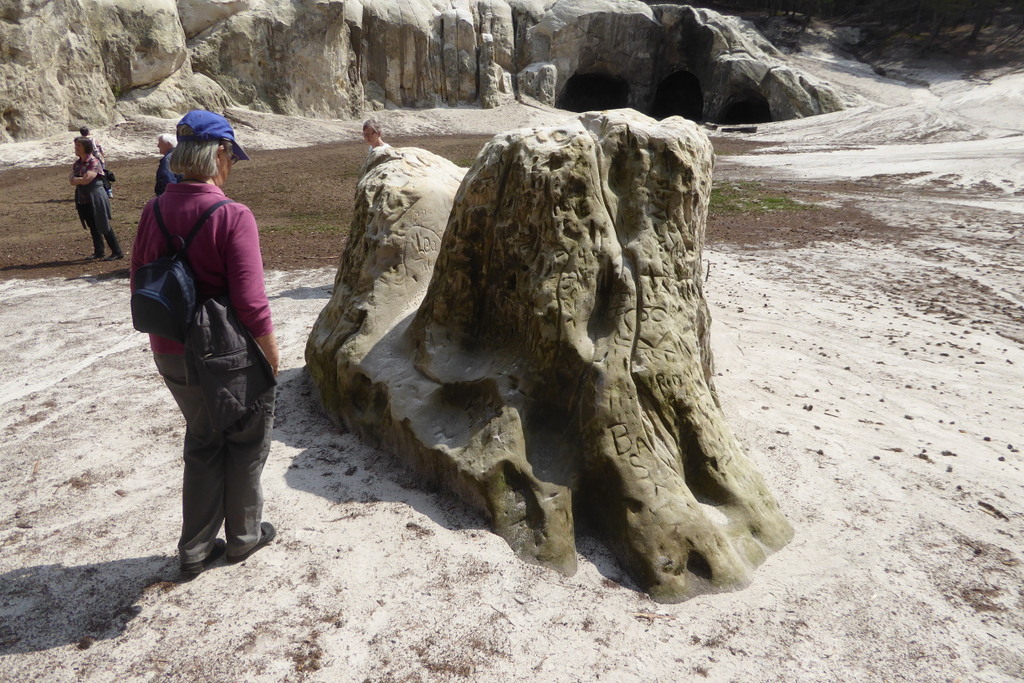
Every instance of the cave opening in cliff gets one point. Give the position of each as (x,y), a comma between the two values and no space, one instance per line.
(10,123)
(679,94)
(752,108)
(592,92)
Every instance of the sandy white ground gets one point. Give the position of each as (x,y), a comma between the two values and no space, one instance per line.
(880,390)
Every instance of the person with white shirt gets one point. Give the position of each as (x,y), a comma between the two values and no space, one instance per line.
(372,134)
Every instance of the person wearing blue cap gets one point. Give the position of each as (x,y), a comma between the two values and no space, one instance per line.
(205,126)
(223,466)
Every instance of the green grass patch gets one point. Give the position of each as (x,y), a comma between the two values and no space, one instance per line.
(750,197)
(307,224)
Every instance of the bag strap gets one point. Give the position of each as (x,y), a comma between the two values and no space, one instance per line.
(195,229)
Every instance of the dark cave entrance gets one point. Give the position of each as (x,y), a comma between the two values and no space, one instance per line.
(752,108)
(679,94)
(593,92)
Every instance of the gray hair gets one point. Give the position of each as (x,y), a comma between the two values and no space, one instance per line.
(195,159)
(374,125)
(168,138)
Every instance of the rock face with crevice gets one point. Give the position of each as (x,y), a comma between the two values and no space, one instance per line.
(638,49)
(403,201)
(558,366)
(89,62)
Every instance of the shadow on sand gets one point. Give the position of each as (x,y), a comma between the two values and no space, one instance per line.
(337,466)
(53,605)
(302,293)
(19,267)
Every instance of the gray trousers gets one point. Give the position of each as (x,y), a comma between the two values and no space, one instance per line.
(222,468)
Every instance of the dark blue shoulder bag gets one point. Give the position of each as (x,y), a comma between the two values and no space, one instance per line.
(164,299)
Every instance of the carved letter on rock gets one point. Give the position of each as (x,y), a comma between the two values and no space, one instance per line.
(559,363)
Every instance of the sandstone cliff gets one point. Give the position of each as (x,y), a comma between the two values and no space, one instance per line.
(74,62)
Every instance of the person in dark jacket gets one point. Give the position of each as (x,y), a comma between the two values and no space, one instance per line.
(164,176)
(91,199)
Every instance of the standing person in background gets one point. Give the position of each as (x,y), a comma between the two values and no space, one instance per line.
(372,132)
(97,150)
(164,176)
(91,201)
(223,466)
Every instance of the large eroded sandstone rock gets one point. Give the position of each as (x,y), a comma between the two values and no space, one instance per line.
(559,364)
(402,205)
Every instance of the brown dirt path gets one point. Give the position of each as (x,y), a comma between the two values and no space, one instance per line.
(303,201)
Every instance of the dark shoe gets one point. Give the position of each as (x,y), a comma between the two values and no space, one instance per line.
(196,568)
(267,534)
(96,257)
(114,257)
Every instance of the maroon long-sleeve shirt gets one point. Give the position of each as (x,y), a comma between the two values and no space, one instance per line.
(225,255)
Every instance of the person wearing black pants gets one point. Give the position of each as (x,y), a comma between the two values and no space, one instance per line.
(91,200)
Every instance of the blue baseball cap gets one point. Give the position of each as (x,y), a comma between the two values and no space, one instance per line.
(209,126)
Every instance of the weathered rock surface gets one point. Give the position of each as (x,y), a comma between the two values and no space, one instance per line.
(296,63)
(90,62)
(641,49)
(559,364)
(65,64)
(404,198)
